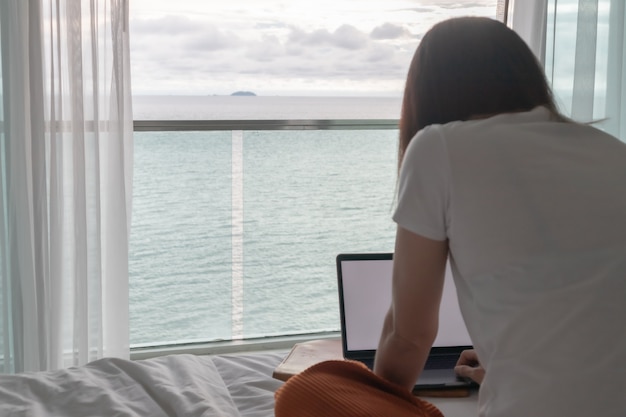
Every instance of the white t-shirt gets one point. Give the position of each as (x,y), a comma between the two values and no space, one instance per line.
(535,214)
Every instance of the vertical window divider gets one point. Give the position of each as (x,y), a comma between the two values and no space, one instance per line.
(237,236)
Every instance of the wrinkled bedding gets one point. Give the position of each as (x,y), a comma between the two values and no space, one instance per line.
(175,385)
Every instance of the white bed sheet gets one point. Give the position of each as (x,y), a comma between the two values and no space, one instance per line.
(176,385)
(238,385)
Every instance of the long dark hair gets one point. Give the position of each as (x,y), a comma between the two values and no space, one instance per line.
(466,67)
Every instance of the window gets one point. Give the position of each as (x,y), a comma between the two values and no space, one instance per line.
(236,227)
(585,47)
(577,55)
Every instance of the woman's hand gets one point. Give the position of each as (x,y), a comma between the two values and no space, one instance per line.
(468,366)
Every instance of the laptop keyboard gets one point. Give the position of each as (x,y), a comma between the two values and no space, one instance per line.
(441,362)
(433,362)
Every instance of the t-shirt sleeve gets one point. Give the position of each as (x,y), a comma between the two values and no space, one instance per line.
(423,185)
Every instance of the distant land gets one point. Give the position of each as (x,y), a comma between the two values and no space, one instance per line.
(243,93)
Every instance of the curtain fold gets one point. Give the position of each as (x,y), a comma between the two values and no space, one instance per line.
(65,182)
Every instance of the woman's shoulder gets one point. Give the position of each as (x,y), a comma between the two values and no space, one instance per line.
(537,122)
(534,129)
(481,123)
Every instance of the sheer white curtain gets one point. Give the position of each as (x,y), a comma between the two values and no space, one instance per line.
(583,46)
(65,182)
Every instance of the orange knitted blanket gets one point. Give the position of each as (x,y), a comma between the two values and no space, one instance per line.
(347,389)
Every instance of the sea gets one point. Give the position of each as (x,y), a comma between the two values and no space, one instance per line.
(234,235)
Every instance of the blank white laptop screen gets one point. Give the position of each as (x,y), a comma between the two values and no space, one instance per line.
(367,297)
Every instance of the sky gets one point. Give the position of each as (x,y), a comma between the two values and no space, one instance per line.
(282,47)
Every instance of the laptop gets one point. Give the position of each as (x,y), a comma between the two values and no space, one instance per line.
(364,282)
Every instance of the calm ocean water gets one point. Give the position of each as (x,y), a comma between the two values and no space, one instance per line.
(307,196)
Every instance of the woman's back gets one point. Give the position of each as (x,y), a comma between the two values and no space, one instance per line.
(535,214)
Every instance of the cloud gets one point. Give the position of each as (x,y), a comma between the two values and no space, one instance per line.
(170,25)
(214,63)
(266,50)
(211,39)
(464,4)
(389,31)
(452,5)
(381,53)
(421,9)
(345,36)
(349,37)
(177,36)
(215,49)
(314,38)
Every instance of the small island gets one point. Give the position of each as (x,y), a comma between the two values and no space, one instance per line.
(243,93)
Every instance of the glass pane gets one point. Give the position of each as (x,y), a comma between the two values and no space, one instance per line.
(4,367)
(256,257)
(309,195)
(561,56)
(180,246)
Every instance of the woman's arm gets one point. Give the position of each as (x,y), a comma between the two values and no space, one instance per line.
(411,324)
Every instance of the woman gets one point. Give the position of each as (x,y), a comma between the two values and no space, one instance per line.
(530,210)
